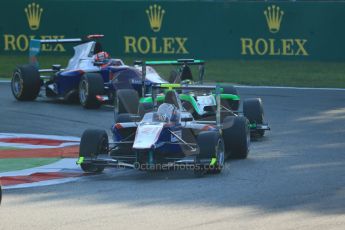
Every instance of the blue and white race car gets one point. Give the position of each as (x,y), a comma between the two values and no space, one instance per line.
(91,75)
(167,137)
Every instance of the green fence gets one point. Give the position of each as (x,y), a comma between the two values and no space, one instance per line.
(203,29)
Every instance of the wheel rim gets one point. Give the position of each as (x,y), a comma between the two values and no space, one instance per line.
(83,92)
(17,84)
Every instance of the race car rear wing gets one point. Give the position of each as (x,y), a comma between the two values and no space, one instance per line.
(35,45)
(172,62)
(181,62)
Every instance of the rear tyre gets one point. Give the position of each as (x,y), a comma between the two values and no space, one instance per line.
(128,101)
(26,83)
(230,104)
(93,142)
(254,112)
(236,135)
(90,85)
(211,146)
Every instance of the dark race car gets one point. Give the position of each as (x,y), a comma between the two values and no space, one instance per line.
(167,137)
(91,75)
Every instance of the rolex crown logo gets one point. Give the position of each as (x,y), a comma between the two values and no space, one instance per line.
(155,14)
(33,14)
(274,17)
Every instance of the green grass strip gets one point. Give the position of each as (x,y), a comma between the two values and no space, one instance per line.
(13,164)
(7,148)
(253,72)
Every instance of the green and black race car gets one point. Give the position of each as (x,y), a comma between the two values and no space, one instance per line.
(201,104)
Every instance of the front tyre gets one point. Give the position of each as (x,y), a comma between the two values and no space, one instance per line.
(236,135)
(211,147)
(90,85)
(128,101)
(93,142)
(254,112)
(26,83)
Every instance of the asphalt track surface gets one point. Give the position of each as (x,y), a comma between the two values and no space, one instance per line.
(294,178)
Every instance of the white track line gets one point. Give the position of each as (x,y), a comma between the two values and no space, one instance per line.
(66,164)
(28,146)
(287,87)
(68,141)
(63,165)
(43,183)
(39,136)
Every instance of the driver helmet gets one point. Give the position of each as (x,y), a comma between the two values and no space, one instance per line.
(168,113)
(102,57)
